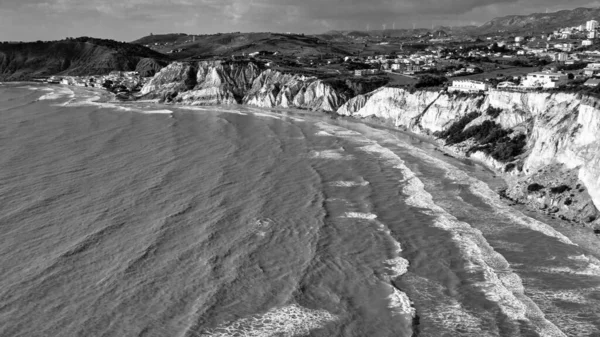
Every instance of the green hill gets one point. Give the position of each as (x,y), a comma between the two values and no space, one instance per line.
(182,46)
(81,56)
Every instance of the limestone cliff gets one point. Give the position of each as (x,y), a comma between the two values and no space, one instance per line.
(275,89)
(203,83)
(561,131)
(229,82)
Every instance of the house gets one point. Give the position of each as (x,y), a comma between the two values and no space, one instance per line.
(591,69)
(506,84)
(545,79)
(592,83)
(468,86)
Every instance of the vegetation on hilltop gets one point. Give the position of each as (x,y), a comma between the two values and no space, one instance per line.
(76,56)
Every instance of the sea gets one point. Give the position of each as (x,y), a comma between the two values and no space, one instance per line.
(140,219)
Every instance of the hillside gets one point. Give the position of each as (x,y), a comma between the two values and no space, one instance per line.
(541,22)
(181,46)
(81,56)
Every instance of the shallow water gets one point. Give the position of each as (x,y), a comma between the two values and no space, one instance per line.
(147,220)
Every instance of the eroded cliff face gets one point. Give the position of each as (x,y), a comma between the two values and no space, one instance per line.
(562,129)
(222,82)
(203,83)
(275,89)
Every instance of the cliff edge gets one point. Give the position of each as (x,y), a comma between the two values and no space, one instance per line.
(549,142)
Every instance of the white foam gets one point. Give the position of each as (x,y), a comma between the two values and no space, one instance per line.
(399,303)
(291,320)
(398,266)
(332,130)
(330,154)
(55,94)
(499,284)
(93,101)
(324,133)
(584,265)
(158,111)
(349,184)
(210,109)
(260,114)
(358,215)
(482,190)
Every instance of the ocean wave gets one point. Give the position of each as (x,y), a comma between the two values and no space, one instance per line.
(211,109)
(583,265)
(157,111)
(573,321)
(399,303)
(337,131)
(358,215)
(291,320)
(260,114)
(330,154)
(398,266)
(95,101)
(55,94)
(482,190)
(498,283)
(349,184)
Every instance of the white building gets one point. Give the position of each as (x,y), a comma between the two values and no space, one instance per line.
(591,25)
(519,39)
(545,79)
(586,43)
(562,57)
(468,86)
(592,35)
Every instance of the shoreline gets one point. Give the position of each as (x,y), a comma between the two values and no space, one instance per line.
(580,233)
(491,174)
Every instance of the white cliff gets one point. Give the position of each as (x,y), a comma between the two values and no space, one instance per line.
(228,82)
(275,89)
(561,128)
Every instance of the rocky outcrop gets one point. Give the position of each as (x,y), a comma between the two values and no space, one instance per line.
(175,78)
(561,129)
(227,82)
(275,89)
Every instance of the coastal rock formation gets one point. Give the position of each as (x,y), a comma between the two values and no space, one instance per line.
(203,83)
(556,128)
(274,89)
(172,79)
(228,82)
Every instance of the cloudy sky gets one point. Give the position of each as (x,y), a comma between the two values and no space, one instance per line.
(26,20)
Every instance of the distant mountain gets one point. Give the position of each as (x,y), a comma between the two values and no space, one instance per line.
(531,23)
(539,22)
(81,56)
